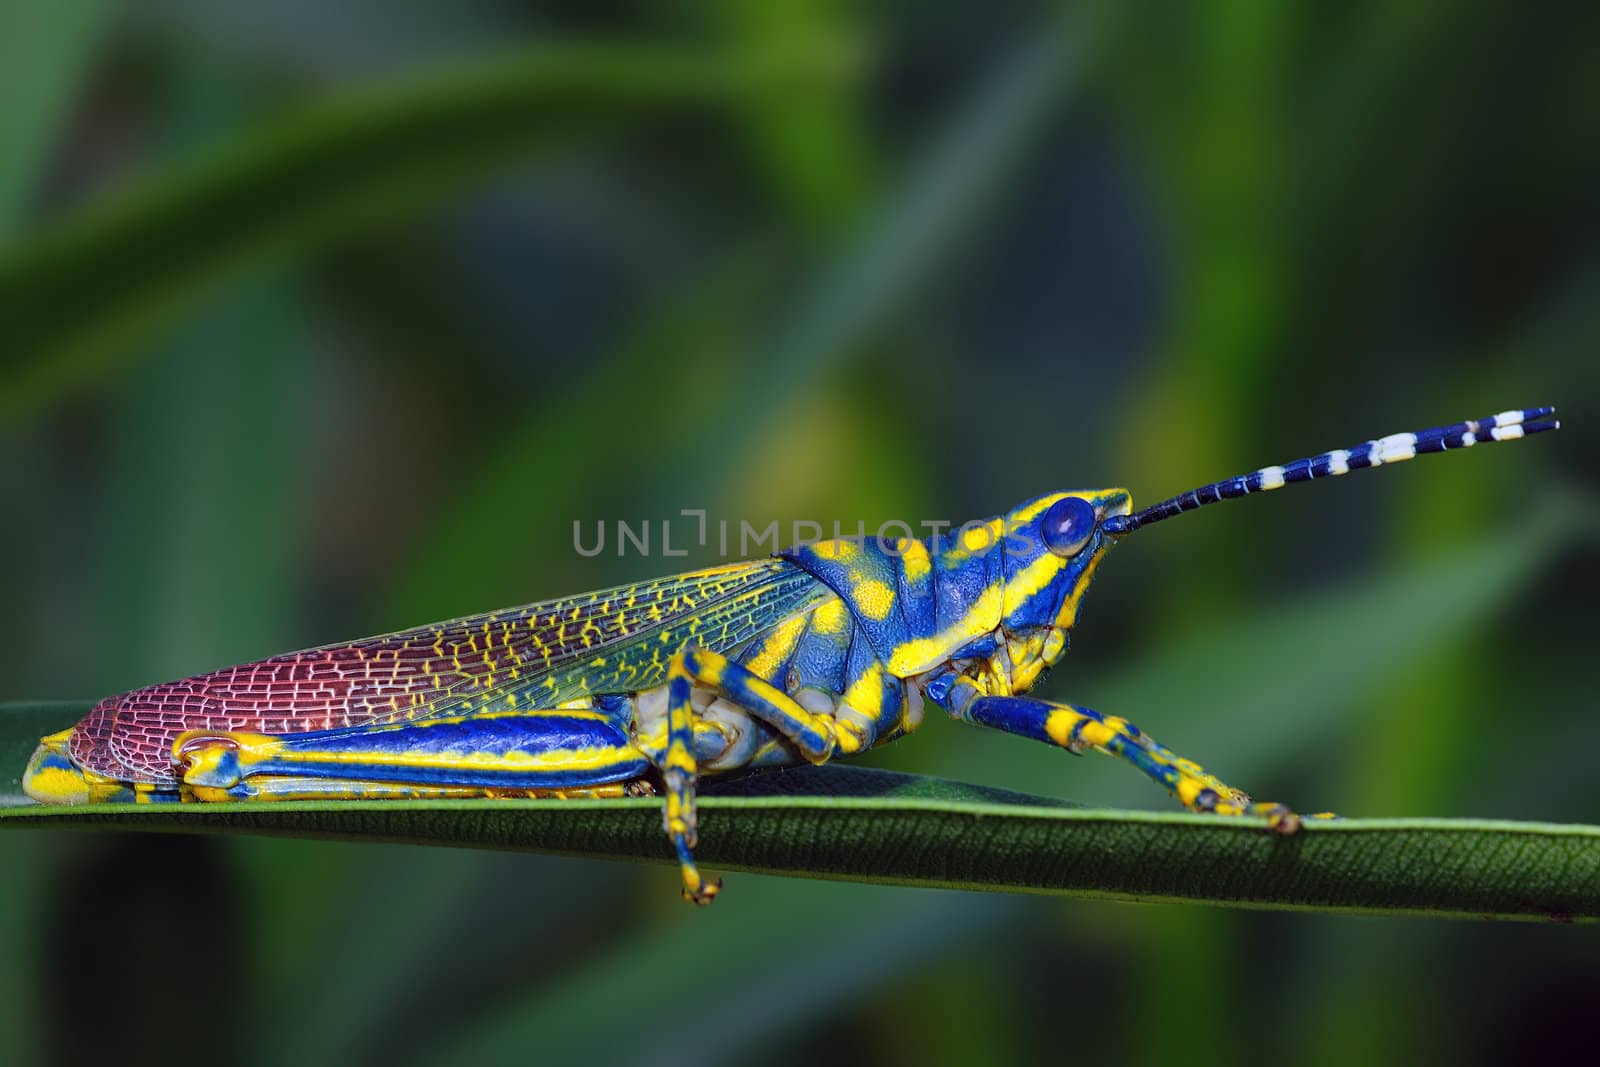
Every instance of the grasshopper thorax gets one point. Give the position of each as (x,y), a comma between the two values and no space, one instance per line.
(1002,592)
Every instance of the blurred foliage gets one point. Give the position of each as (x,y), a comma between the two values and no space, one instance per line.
(95,285)
(1014,247)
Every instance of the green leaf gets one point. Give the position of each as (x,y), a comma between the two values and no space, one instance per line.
(856,824)
(83,292)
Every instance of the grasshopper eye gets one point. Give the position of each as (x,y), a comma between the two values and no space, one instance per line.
(1067,526)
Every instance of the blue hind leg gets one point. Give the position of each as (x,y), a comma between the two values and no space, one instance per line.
(522,753)
(287,787)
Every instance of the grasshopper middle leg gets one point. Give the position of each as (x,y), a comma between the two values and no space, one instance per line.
(814,735)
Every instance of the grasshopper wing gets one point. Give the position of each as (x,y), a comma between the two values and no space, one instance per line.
(544,654)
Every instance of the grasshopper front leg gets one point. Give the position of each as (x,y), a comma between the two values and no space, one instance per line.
(1075,728)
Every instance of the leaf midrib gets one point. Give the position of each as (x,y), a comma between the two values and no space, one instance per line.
(1043,812)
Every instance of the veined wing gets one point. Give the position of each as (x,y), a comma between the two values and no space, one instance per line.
(614,640)
(637,661)
(538,655)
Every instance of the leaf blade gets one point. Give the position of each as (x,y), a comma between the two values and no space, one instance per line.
(945,835)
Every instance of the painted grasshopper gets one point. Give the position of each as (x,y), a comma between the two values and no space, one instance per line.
(823,650)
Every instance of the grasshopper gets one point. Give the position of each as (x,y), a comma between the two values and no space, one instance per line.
(823,650)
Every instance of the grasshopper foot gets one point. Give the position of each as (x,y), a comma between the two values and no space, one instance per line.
(696,888)
(704,892)
(1280,819)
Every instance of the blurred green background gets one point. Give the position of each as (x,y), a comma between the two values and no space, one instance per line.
(961,255)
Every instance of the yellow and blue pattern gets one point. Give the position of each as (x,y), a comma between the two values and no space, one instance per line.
(825,650)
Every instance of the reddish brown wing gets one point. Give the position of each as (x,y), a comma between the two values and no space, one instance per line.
(541,651)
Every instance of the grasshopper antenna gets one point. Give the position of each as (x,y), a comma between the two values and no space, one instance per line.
(1396,448)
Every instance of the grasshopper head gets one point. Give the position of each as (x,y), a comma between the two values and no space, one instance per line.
(1053,546)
